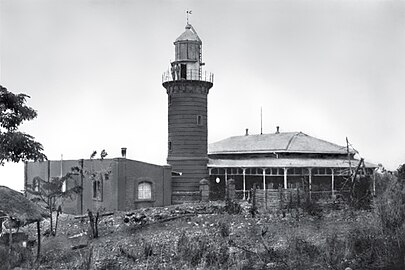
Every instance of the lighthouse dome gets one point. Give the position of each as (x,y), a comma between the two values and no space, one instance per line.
(188,35)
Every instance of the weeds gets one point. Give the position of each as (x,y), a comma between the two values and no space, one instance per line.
(312,208)
(19,257)
(232,207)
(224,229)
(200,250)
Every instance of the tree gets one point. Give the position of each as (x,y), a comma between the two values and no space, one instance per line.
(15,145)
(96,176)
(50,194)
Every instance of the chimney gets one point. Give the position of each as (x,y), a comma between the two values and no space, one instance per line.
(247,132)
(124,152)
(278,130)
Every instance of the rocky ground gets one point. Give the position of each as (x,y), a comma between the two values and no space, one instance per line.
(188,236)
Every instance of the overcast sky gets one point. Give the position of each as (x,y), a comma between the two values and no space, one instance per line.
(93,69)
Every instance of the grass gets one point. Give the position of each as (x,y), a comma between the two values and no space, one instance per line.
(328,239)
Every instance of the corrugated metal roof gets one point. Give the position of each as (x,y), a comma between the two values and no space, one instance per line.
(189,34)
(284,163)
(293,142)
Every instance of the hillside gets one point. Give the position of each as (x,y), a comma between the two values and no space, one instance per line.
(206,236)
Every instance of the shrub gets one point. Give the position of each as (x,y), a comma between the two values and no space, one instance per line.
(312,208)
(19,257)
(224,229)
(383,182)
(232,207)
(335,251)
(147,248)
(130,253)
(368,248)
(390,212)
(56,250)
(217,255)
(302,254)
(390,207)
(361,196)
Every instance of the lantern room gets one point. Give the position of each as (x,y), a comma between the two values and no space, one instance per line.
(187,64)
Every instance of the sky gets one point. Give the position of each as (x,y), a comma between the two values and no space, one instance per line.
(331,69)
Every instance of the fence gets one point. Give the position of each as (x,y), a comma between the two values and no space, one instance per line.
(191,74)
(293,197)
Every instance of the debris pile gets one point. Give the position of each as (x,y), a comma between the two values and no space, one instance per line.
(147,216)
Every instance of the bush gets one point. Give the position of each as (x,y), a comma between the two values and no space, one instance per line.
(143,250)
(147,248)
(217,255)
(19,257)
(56,250)
(390,207)
(365,245)
(303,252)
(312,208)
(390,213)
(224,229)
(232,207)
(335,251)
(383,182)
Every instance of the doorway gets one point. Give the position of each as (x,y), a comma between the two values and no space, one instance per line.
(183,71)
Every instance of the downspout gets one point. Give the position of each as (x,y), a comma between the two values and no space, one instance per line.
(81,163)
(163,176)
(49,170)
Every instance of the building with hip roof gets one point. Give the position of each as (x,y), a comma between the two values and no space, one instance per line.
(281,160)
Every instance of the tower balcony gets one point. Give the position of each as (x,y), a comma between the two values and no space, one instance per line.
(191,75)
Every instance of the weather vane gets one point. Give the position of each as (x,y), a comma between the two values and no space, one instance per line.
(188,12)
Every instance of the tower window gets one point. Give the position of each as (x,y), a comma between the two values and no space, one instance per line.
(170,99)
(170,146)
(199,120)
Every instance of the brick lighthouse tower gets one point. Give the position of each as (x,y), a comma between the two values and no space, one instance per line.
(187,87)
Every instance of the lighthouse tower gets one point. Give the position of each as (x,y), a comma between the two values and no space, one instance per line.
(187,87)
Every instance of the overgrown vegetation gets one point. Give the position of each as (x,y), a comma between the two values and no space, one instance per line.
(229,238)
(96,176)
(50,194)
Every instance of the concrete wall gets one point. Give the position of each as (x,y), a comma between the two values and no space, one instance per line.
(137,172)
(78,204)
(118,178)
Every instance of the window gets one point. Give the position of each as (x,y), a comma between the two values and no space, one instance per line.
(145,191)
(199,120)
(64,186)
(35,184)
(170,99)
(97,190)
(170,146)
